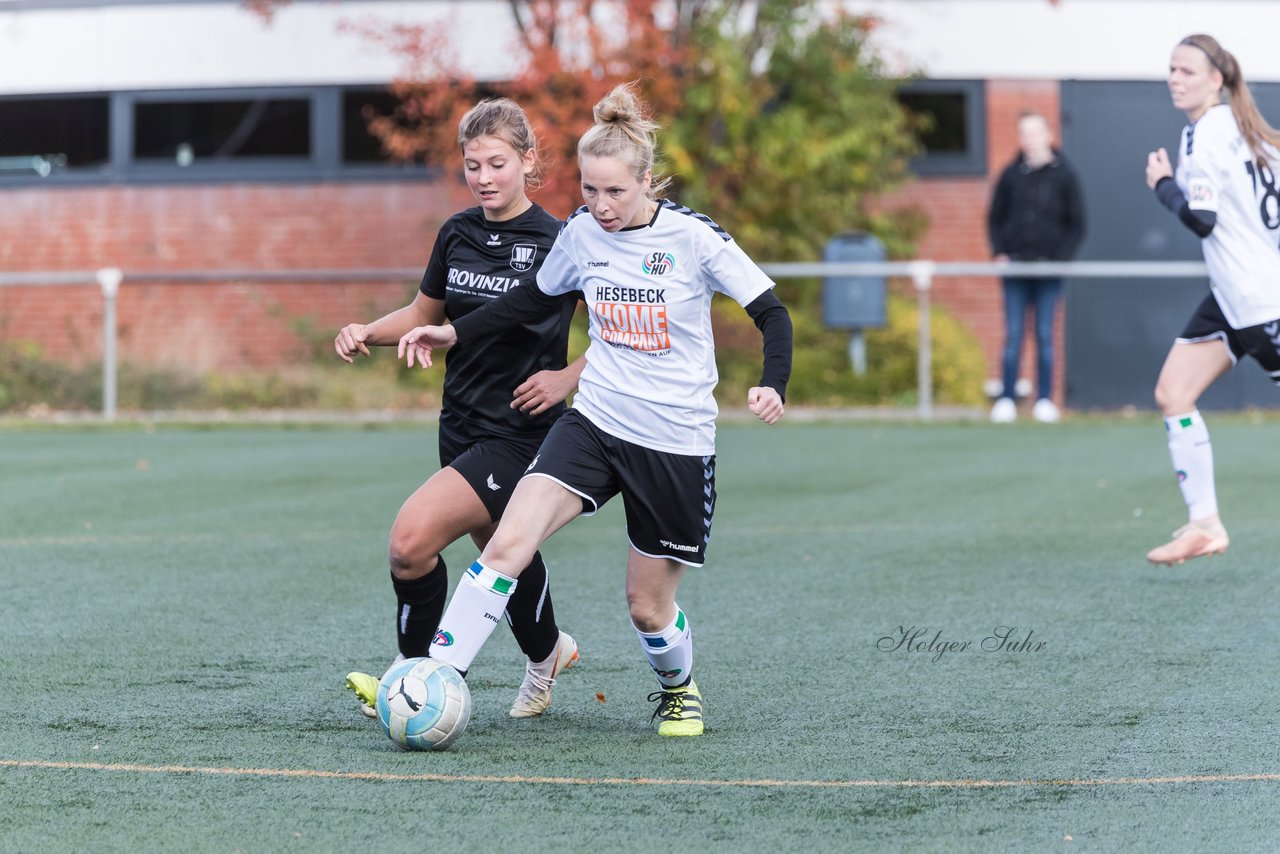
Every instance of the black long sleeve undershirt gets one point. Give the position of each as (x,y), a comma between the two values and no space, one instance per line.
(1200,222)
(774,323)
(520,305)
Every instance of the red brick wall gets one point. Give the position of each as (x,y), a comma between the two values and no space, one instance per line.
(171,228)
(351,225)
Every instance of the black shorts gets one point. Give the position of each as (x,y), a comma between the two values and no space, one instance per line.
(492,465)
(1262,342)
(669,498)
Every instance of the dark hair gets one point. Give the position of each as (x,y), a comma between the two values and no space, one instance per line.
(502,118)
(1253,127)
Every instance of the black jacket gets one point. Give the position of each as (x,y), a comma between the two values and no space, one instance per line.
(1036,214)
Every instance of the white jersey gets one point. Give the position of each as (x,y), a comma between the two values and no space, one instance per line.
(651,366)
(1217,172)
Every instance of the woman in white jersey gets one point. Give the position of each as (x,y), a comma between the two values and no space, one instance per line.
(643,422)
(486,438)
(1225,191)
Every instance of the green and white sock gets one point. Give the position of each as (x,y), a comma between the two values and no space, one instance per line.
(1192,456)
(670,651)
(474,611)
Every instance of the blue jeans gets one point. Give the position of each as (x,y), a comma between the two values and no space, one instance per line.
(1019,293)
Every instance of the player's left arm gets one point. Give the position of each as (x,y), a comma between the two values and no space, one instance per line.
(774,322)
(734,274)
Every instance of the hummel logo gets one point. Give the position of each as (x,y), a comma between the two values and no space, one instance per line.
(533,462)
(597,263)
(678,547)
(491,484)
(494,240)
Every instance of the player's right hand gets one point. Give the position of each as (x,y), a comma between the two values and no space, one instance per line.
(420,341)
(350,341)
(1158,166)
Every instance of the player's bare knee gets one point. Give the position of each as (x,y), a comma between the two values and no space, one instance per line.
(506,551)
(410,558)
(647,614)
(1172,400)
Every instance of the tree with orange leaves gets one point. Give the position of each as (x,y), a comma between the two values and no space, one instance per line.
(571,53)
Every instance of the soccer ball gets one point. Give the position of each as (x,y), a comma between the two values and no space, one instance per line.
(423,704)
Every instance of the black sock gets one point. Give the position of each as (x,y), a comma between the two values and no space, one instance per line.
(419,607)
(533,620)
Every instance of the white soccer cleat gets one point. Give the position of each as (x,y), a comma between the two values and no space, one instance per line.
(1194,539)
(1005,411)
(535,691)
(1046,411)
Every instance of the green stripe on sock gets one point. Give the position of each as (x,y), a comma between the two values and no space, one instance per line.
(1184,423)
(680,620)
(502,585)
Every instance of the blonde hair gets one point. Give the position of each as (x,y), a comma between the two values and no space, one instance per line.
(624,130)
(503,119)
(1253,127)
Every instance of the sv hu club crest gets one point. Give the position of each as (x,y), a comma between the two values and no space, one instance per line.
(659,263)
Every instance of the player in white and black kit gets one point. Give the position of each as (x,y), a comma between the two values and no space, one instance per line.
(500,398)
(643,422)
(1225,191)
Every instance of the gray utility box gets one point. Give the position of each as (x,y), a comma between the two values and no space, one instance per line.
(853,302)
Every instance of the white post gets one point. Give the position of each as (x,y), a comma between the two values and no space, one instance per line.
(922,276)
(858,352)
(109,280)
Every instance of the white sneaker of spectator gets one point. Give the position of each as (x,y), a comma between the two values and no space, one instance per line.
(1005,411)
(1046,411)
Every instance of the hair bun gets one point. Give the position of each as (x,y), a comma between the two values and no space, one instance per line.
(620,106)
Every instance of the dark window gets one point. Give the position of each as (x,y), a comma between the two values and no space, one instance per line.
(951,125)
(189,132)
(359,144)
(287,134)
(41,135)
(942,120)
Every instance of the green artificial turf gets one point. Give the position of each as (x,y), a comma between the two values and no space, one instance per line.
(178,607)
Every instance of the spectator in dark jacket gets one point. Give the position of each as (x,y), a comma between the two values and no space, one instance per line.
(1036,215)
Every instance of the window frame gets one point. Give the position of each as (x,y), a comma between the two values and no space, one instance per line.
(973,160)
(70,174)
(324,163)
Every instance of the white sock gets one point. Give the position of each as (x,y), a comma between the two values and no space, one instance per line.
(474,610)
(1192,456)
(670,651)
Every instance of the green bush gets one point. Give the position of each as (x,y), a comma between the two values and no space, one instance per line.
(821,372)
(29,381)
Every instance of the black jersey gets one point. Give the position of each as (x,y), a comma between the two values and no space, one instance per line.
(474,262)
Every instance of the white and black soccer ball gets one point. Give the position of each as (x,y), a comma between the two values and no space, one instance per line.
(423,704)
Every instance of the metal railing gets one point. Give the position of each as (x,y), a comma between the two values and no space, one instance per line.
(921,273)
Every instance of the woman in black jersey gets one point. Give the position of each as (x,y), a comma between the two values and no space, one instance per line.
(500,398)
(643,422)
